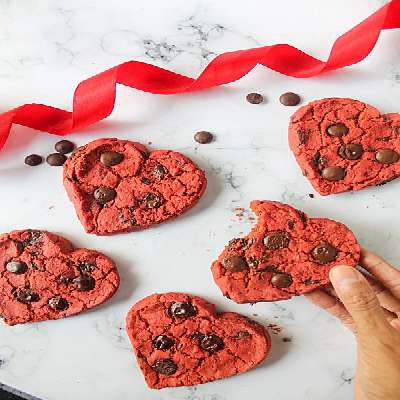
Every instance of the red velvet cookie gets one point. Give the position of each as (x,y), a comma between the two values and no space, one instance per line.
(180,340)
(117,186)
(286,254)
(344,144)
(43,277)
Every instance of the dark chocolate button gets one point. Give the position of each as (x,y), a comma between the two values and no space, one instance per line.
(234,263)
(104,194)
(276,240)
(281,280)
(86,266)
(351,151)
(324,253)
(58,303)
(25,295)
(16,267)
(152,200)
(163,342)
(111,158)
(159,171)
(211,343)
(165,366)
(387,156)
(337,130)
(182,309)
(254,98)
(64,146)
(289,99)
(33,159)
(84,283)
(66,279)
(333,173)
(56,159)
(203,137)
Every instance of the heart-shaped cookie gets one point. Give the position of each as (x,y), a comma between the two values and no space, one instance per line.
(117,186)
(180,340)
(344,144)
(285,254)
(43,277)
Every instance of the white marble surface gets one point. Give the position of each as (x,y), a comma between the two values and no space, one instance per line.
(48,46)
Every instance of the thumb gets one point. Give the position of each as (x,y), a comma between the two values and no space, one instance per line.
(359,299)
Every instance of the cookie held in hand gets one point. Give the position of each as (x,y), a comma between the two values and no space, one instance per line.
(285,254)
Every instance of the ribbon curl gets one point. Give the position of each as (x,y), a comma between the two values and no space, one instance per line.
(94,98)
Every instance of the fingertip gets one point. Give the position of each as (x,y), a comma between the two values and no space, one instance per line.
(344,276)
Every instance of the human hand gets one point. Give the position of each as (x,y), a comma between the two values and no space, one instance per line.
(370,307)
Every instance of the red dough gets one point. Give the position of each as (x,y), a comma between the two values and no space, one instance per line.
(117,186)
(286,254)
(180,340)
(43,277)
(348,134)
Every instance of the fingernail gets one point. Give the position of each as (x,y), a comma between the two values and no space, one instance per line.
(344,276)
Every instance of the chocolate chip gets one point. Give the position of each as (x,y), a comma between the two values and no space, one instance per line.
(281,280)
(337,130)
(241,335)
(303,137)
(165,366)
(254,98)
(146,181)
(387,156)
(252,262)
(163,342)
(33,159)
(58,303)
(86,266)
(160,171)
(64,146)
(65,279)
(237,243)
(111,158)
(289,99)
(16,267)
(56,159)
(234,263)
(104,194)
(25,295)
(84,283)
(396,130)
(152,200)
(324,253)
(311,195)
(203,137)
(333,173)
(211,343)
(276,240)
(351,151)
(319,161)
(33,238)
(291,224)
(182,309)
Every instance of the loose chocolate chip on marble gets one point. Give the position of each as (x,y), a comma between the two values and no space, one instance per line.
(104,194)
(86,266)
(254,98)
(333,173)
(324,253)
(165,366)
(337,130)
(387,156)
(56,159)
(58,303)
(281,280)
(163,342)
(203,137)
(64,146)
(351,151)
(182,309)
(152,200)
(84,283)
(33,160)
(234,263)
(160,171)
(111,158)
(211,343)
(16,267)
(311,195)
(289,99)
(25,295)
(276,240)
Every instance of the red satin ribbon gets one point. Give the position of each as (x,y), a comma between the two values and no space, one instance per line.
(94,98)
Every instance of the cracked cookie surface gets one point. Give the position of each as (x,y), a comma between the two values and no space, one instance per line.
(180,340)
(43,277)
(343,144)
(285,254)
(117,186)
